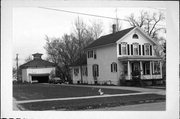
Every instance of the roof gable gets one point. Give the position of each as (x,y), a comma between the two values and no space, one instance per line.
(143,37)
(109,39)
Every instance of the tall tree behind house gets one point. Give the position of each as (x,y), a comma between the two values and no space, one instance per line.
(67,49)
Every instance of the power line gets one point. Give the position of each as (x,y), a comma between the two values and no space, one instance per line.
(82,13)
(88,14)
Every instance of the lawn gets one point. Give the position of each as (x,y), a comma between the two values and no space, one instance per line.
(47,91)
(85,104)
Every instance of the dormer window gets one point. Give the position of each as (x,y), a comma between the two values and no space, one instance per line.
(135,36)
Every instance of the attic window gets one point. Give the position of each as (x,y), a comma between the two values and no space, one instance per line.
(135,36)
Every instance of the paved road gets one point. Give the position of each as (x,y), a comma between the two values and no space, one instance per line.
(160,106)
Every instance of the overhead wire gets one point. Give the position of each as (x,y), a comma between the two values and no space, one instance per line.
(72,12)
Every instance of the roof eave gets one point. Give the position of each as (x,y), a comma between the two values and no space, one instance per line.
(99,46)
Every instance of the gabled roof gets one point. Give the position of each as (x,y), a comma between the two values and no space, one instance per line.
(37,63)
(109,39)
(80,62)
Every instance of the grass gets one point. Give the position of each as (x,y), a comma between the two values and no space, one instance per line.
(47,91)
(84,104)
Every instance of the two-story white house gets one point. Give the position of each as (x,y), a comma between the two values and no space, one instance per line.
(114,57)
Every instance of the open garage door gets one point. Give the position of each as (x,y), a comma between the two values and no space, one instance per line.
(40,78)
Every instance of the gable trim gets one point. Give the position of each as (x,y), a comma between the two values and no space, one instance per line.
(148,37)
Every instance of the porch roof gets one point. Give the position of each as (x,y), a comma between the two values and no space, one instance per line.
(139,58)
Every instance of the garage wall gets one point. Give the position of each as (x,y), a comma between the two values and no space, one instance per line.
(26,72)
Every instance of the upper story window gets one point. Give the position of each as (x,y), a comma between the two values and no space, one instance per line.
(95,70)
(90,54)
(147,49)
(135,36)
(123,48)
(76,71)
(95,55)
(114,67)
(135,48)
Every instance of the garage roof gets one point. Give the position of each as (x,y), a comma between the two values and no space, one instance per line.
(37,62)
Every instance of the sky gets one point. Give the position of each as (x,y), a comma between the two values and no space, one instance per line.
(32,24)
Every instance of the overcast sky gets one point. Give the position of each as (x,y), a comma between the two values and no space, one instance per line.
(30,25)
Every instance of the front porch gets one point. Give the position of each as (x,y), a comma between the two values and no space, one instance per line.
(150,68)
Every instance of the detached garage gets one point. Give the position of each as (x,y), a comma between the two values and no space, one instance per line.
(37,70)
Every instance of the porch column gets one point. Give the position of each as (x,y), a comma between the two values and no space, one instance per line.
(141,69)
(151,69)
(129,71)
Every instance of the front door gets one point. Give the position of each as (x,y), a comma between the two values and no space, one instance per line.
(135,66)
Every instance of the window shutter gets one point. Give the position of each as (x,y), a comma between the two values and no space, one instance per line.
(139,49)
(151,50)
(97,70)
(116,67)
(119,49)
(128,49)
(143,49)
(131,49)
(111,68)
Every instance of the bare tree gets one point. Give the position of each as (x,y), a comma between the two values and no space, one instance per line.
(148,22)
(27,59)
(67,49)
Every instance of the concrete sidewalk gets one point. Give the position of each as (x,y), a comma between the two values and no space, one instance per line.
(84,97)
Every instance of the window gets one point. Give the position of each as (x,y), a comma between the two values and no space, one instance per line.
(90,54)
(76,71)
(125,66)
(94,54)
(95,69)
(135,36)
(113,67)
(84,71)
(146,68)
(123,48)
(147,49)
(156,67)
(135,48)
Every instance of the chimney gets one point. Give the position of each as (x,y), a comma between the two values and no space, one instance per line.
(37,56)
(114,28)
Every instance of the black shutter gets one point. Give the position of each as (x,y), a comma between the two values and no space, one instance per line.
(143,49)
(131,49)
(111,68)
(139,49)
(116,67)
(151,50)
(119,49)
(128,49)
(97,70)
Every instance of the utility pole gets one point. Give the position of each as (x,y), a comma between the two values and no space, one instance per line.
(17,67)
